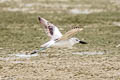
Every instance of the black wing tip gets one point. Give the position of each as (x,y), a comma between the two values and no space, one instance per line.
(76,27)
(35,51)
(39,18)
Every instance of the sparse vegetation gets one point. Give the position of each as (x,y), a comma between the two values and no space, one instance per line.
(21,31)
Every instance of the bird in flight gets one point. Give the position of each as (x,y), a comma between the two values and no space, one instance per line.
(57,39)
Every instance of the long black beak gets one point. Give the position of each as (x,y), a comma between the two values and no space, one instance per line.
(82,42)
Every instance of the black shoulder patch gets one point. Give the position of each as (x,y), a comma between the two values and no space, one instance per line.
(50,29)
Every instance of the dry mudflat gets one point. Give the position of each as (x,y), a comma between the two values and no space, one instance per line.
(20,32)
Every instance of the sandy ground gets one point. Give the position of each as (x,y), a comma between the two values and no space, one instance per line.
(98,60)
(60,66)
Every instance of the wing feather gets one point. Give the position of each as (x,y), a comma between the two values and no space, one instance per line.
(51,30)
(70,33)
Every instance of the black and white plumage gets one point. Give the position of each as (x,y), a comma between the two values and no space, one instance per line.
(57,39)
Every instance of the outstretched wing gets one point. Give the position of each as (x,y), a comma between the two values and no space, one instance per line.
(70,33)
(51,30)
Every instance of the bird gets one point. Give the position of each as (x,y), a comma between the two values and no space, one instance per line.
(57,39)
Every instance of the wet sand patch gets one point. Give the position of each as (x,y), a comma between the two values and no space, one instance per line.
(88,53)
(85,11)
(116,23)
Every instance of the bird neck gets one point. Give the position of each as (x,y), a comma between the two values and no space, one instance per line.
(71,42)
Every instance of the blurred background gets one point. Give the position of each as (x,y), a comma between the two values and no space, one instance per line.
(20,31)
(19,27)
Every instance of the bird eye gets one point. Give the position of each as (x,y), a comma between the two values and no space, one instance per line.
(76,40)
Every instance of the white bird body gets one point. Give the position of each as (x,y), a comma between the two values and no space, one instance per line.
(63,44)
(57,39)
